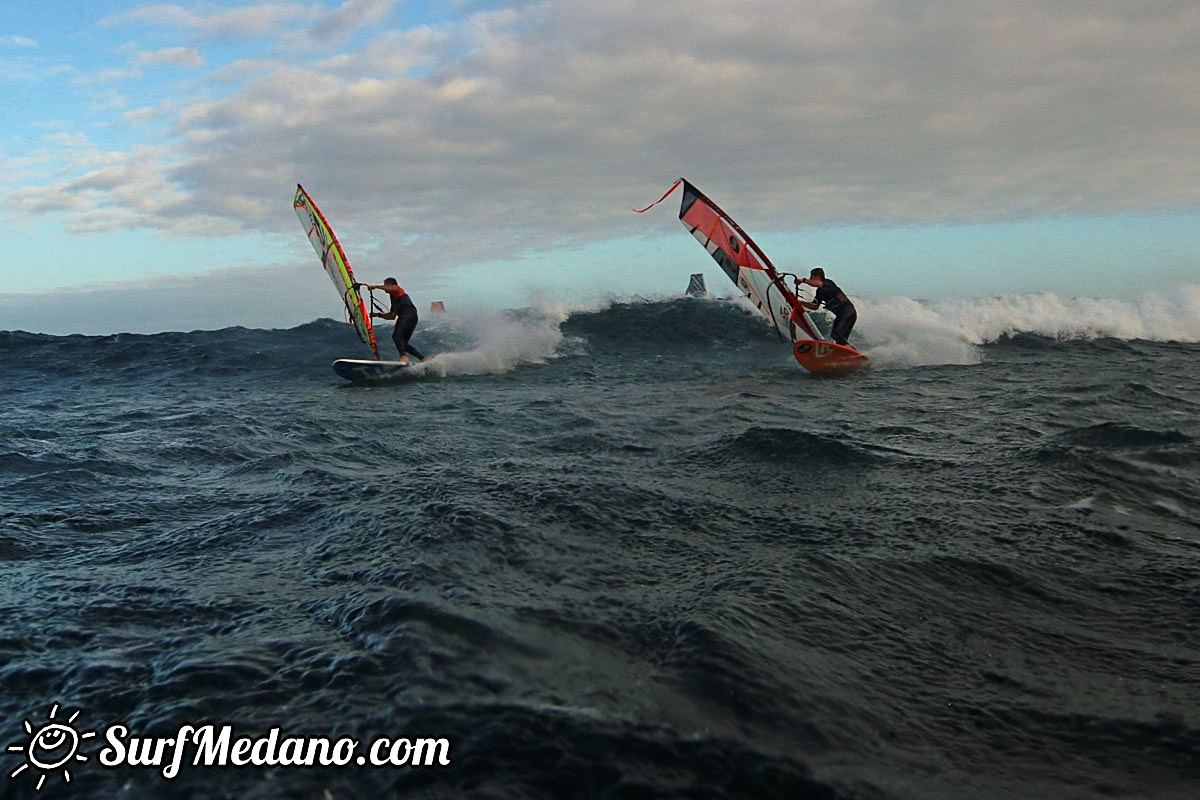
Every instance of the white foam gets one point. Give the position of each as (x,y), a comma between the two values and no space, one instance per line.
(901,331)
(892,331)
(505,342)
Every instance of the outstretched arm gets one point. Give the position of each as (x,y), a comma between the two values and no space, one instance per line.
(374,314)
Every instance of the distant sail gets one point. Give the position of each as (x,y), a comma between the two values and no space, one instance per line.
(696,286)
(742,260)
(333,259)
(437,307)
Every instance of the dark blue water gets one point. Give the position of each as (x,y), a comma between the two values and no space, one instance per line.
(633,552)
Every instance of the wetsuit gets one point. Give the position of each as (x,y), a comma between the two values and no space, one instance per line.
(844,313)
(406,321)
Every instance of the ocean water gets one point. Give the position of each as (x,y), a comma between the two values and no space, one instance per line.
(628,551)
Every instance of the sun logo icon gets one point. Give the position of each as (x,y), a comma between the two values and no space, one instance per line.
(51,747)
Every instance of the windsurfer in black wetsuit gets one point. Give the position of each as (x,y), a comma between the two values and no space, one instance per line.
(835,300)
(405,314)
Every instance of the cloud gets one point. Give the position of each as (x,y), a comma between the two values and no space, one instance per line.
(248,22)
(18,41)
(171,56)
(292,21)
(348,18)
(103,76)
(109,191)
(177,303)
(528,125)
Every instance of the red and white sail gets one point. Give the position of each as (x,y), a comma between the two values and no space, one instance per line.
(744,262)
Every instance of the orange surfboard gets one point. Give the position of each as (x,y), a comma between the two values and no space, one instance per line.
(817,356)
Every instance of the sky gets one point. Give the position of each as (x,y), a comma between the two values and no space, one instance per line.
(491,152)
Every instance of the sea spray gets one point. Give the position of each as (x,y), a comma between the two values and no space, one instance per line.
(1152,317)
(902,332)
(905,332)
(495,342)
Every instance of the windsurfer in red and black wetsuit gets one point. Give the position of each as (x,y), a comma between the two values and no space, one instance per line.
(405,314)
(835,300)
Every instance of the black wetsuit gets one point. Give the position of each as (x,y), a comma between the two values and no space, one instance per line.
(844,313)
(406,323)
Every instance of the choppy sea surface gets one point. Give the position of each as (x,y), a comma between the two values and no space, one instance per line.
(631,551)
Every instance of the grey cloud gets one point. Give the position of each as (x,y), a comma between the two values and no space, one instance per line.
(524,126)
(266,297)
